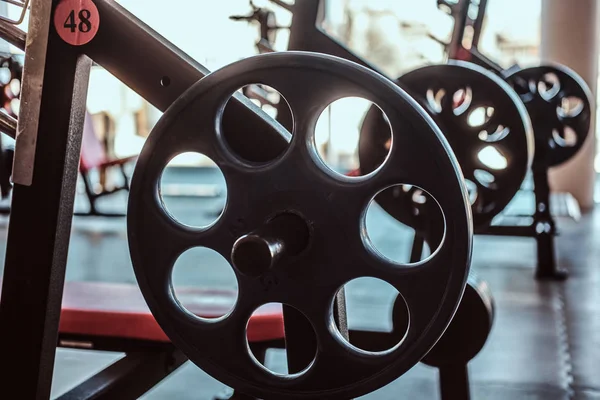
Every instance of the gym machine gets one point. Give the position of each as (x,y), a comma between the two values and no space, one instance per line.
(308,232)
(556,100)
(48,144)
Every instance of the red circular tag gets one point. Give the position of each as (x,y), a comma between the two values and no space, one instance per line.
(76,21)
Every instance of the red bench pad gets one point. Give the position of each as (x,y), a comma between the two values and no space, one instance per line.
(119,310)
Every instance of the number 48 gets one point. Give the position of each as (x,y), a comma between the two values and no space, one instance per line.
(84,21)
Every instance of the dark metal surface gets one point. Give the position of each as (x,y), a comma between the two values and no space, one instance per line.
(128,378)
(333,204)
(469,329)
(38,237)
(12,34)
(8,125)
(544,90)
(507,131)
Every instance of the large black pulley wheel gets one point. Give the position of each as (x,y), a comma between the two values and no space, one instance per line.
(558,102)
(294,230)
(487,127)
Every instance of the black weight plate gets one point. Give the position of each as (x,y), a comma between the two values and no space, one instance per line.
(559,104)
(469,330)
(334,207)
(486,125)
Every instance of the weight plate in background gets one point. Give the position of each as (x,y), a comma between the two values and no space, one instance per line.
(559,104)
(487,127)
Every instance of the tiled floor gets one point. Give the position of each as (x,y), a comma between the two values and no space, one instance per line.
(545,343)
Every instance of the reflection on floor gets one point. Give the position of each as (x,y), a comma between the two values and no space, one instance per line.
(545,343)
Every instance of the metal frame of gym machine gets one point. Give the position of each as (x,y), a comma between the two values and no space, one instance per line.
(45,173)
(306,34)
(541,225)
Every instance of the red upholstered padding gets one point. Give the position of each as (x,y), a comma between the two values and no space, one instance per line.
(119,310)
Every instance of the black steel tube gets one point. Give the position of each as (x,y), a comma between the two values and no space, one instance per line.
(8,125)
(36,258)
(260,250)
(12,34)
(454,382)
(416,251)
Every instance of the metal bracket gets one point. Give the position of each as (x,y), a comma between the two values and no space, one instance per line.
(36,46)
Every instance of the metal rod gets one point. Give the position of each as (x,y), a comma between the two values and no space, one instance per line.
(36,259)
(8,125)
(12,34)
(257,252)
(454,382)
(416,251)
(545,228)
(128,378)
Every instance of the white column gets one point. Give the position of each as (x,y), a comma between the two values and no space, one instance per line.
(570,37)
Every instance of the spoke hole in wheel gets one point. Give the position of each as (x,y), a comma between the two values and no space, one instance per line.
(434,99)
(567,139)
(370,308)
(548,86)
(479,116)
(338,131)
(243,144)
(485,178)
(203,281)
(522,87)
(497,135)
(492,158)
(471,191)
(461,100)
(275,360)
(193,190)
(391,238)
(570,107)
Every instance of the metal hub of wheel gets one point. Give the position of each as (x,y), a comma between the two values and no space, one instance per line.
(558,102)
(486,125)
(294,231)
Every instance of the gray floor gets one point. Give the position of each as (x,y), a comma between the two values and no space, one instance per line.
(545,343)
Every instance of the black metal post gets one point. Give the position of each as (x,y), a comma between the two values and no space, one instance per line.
(545,228)
(454,382)
(129,377)
(416,251)
(39,229)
